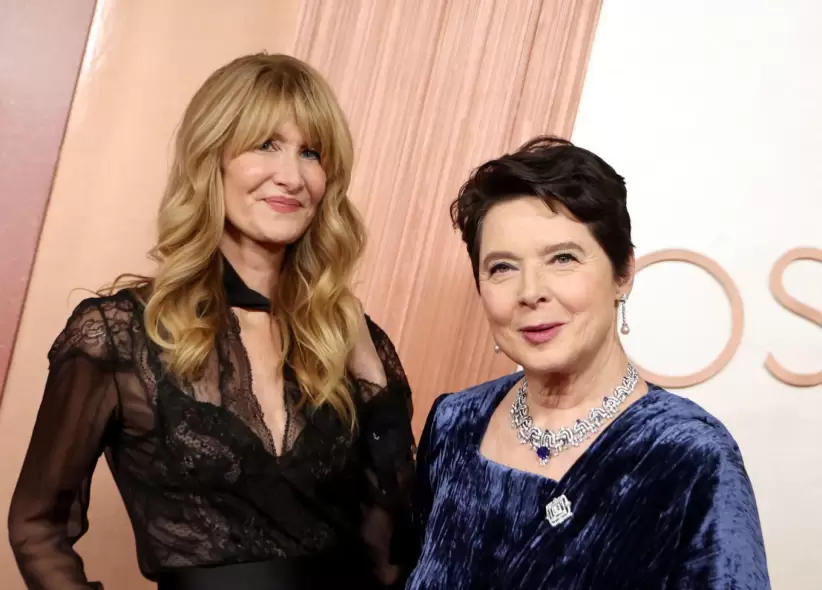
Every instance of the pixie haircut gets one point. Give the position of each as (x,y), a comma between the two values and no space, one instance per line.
(559,173)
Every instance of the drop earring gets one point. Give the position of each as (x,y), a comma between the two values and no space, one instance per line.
(625,329)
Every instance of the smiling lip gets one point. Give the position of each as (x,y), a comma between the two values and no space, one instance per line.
(540,333)
(283,204)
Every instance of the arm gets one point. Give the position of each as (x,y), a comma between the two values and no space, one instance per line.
(388,450)
(423,495)
(50,502)
(722,545)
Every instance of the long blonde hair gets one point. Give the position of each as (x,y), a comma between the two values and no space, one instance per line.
(236,109)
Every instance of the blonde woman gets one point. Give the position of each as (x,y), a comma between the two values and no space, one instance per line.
(257,423)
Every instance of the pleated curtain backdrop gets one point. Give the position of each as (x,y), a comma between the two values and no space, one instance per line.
(432,88)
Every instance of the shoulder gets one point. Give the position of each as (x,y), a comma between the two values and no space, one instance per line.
(378,335)
(373,326)
(701,462)
(95,328)
(390,358)
(457,420)
(470,407)
(686,429)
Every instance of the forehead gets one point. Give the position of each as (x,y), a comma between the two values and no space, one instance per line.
(528,223)
(268,116)
(286,125)
(288,131)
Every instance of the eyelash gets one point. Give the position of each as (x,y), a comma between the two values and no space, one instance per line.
(561,258)
(269,144)
(567,255)
(498,267)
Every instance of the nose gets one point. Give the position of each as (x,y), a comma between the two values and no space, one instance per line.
(286,173)
(533,288)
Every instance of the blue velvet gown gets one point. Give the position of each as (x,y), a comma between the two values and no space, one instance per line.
(660,500)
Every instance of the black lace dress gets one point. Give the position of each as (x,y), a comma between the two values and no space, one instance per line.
(202,480)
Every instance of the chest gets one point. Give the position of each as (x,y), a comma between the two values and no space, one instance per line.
(500,444)
(260,337)
(623,531)
(239,404)
(262,344)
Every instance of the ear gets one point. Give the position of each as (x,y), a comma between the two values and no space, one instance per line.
(625,284)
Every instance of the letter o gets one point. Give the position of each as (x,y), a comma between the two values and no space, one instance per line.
(737,316)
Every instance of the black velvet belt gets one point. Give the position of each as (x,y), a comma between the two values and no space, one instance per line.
(302,573)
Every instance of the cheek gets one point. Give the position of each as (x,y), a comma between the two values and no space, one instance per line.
(241,180)
(316,183)
(239,207)
(235,201)
(244,171)
(590,300)
(499,304)
(577,296)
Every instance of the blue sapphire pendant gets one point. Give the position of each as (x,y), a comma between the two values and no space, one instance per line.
(543,454)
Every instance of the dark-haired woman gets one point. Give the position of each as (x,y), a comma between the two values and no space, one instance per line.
(574,474)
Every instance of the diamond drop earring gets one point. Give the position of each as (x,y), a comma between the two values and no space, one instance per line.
(625,329)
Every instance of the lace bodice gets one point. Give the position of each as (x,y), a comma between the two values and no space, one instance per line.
(201,477)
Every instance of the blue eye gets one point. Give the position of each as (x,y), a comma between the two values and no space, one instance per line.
(311,154)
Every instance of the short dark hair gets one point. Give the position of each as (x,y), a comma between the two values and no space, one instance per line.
(556,171)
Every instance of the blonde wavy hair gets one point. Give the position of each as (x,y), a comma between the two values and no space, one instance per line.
(235,110)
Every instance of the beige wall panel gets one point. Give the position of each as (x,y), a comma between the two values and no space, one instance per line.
(41,47)
(433,88)
(143,62)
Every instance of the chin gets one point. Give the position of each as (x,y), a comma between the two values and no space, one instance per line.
(282,241)
(281,236)
(546,362)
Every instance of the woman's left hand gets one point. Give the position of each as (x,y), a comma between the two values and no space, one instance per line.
(364,362)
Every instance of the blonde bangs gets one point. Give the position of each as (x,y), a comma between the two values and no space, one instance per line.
(282,94)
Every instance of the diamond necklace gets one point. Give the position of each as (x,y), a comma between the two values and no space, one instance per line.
(547,443)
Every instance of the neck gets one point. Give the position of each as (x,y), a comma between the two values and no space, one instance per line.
(257,264)
(557,395)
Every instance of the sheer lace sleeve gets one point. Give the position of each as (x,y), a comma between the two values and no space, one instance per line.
(388,445)
(48,508)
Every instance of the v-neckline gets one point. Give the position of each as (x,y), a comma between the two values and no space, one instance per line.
(277,451)
(240,296)
(503,387)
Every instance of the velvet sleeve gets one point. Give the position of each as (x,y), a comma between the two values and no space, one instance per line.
(423,495)
(722,547)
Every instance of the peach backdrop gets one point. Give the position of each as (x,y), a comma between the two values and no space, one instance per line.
(42,44)
(431,87)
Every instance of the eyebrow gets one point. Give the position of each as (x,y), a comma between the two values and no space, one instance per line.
(551,249)
(277,136)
